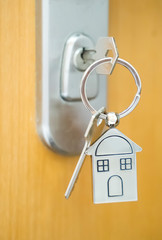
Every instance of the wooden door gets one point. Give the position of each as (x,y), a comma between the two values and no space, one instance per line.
(33,179)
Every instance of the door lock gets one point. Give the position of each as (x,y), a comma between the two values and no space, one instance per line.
(66,43)
(79,53)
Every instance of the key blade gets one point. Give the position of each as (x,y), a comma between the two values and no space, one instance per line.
(76,171)
(94,130)
(97,132)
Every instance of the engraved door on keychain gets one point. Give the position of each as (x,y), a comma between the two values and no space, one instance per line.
(113,154)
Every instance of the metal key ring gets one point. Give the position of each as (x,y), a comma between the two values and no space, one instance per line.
(92,67)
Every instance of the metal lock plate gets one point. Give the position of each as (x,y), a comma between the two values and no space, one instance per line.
(61,122)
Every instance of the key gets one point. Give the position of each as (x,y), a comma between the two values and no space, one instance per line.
(92,133)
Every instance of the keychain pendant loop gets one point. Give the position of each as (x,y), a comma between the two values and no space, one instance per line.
(92,67)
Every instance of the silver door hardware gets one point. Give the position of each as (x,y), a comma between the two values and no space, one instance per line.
(74,62)
(79,52)
(67,33)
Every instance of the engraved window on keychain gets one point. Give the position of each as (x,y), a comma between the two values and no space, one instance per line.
(113,154)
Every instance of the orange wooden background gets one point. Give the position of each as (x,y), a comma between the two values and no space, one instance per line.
(33,179)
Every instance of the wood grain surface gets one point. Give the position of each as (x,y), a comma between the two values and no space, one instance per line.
(33,179)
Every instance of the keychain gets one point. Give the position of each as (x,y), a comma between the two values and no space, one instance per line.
(113,154)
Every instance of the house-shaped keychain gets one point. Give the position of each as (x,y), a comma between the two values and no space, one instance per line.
(114,168)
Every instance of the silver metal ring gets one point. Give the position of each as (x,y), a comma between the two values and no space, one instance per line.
(100,62)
